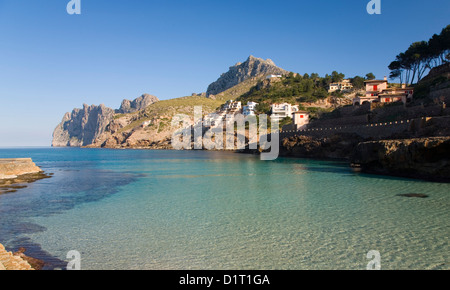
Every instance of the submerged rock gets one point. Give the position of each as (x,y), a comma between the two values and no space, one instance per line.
(419,195)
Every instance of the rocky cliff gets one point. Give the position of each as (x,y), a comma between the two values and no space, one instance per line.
(138,104)
(241,72)
(82,126)
(426,158)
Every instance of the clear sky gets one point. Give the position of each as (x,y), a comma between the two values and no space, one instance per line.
(52,62)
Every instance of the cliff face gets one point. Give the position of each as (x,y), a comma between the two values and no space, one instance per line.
(82,126)
(427,158)
(138,104)
(243,71)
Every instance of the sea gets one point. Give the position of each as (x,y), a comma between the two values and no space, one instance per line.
(202,210)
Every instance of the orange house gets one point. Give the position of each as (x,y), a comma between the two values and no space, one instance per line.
(373,89)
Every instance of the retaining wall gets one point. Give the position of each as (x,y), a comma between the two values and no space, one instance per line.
(378,130)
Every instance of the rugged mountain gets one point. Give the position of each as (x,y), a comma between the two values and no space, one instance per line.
(146,121)
(241,72)
(138,104)
(82,126)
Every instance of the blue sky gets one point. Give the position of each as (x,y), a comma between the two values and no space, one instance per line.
(52,62)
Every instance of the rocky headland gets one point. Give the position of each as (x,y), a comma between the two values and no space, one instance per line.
(82,126)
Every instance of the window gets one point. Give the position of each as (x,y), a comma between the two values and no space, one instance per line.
(301,116)
(375,87)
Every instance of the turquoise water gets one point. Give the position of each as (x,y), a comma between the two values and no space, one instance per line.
(132,209)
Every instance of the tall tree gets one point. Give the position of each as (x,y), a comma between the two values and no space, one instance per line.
(396,71)
(337,77)
(358,82)
(421,56)
(370,76)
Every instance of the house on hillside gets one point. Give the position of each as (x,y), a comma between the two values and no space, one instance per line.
(281,111)
(345,85)
(249,109)
(235,107)
(232,106)
(300,119)
(373,89)
(391,95)
(377,91)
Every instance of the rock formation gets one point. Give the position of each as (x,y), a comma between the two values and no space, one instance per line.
(9,261)
(242,71)
(427,158)
(138,104)
(11,168)
(338,146)
(82,126)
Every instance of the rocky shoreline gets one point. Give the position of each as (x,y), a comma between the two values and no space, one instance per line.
(16,173)
(15,261)
(426,158)
(423,158)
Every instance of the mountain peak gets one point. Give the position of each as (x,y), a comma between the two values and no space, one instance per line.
(138,104)
(252,67)
(252,58)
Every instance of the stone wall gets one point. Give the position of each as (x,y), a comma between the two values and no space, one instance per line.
(378,130)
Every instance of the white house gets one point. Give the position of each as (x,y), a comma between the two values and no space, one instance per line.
(301,120)
(249,109)
(235,106)
(345,85)
(281,111)
(273,76)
